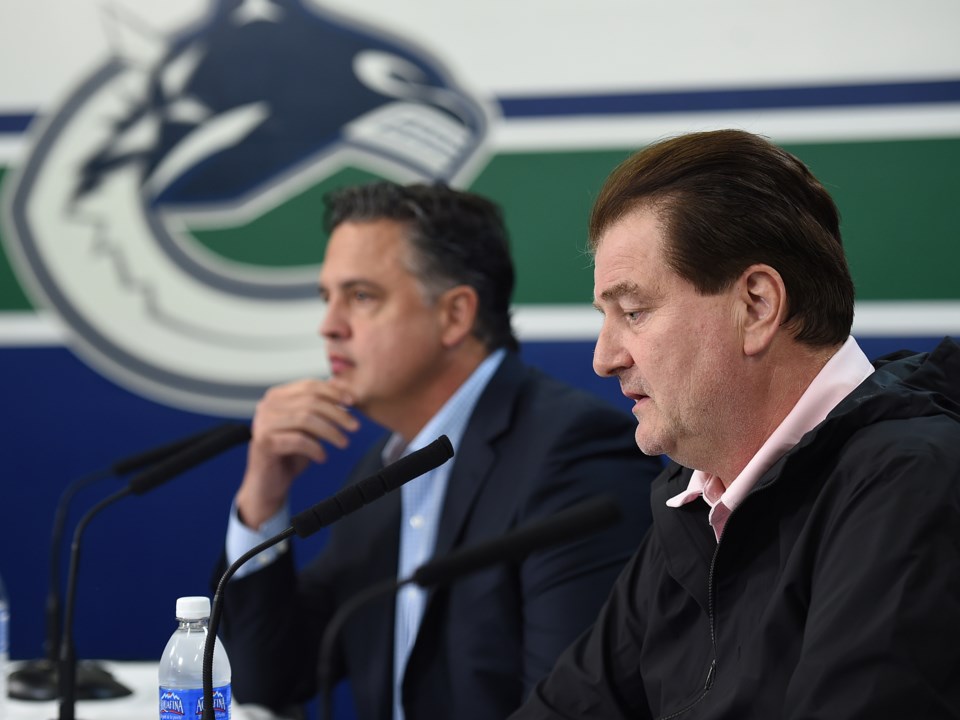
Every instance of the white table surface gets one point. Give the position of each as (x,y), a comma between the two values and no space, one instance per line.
(141,677)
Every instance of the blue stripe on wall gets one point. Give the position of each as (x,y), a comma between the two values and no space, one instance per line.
(152,549)
(165,544)
(906,93)
(947,91)
(16,123)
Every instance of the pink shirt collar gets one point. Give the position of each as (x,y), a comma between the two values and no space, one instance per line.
(843,372)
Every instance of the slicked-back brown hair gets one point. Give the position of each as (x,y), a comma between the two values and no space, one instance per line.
(728,199)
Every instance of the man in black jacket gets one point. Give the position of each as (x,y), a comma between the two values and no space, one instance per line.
(417,283)
(805,556)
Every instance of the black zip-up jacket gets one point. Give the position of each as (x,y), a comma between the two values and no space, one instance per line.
(833,594)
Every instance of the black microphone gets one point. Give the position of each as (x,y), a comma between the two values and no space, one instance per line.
(369,489)
(37,679)
(146,458)
(214,443)
(584,518)
(207,447)
(320,515)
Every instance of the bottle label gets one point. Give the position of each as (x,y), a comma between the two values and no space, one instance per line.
(187,704)
(4,629)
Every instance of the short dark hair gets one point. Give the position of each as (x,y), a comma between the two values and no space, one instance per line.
(457,237)
(728,199)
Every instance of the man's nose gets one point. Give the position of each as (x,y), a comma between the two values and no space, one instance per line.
(334,324)
(609,355)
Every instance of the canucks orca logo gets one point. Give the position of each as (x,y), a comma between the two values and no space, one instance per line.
(219,127)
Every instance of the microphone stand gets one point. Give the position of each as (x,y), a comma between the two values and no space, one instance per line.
(332,631)
(68,658)
(38,680)
(212,444)
(216,610)
(586,517)
(324,513)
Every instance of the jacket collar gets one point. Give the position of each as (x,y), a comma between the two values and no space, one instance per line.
(904,385)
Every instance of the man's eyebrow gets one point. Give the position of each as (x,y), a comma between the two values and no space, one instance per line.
(615,293)
(622,289)
(323,290)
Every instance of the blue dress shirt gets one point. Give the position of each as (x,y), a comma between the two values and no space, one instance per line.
(421,503)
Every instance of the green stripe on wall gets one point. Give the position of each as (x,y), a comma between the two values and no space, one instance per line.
(900,209)
(12,296)
(546,199)
(900,206)
(899,202)
(285,236)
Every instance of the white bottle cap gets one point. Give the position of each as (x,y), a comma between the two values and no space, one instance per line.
(193,608)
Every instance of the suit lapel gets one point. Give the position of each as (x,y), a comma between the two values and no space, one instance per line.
(475,459)
(476,455)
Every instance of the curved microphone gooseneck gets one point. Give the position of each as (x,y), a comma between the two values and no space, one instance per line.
(68,659)
(38,679)
(324,513)
(205,449)
(584,518)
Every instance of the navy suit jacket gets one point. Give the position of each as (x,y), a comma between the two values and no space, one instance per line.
(533,447)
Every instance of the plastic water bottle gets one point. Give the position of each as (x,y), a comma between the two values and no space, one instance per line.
(4,648)
(181,667)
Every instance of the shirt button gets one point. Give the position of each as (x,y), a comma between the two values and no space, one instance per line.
(416,522)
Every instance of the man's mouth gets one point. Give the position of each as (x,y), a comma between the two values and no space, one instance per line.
(339,364)
(638,398)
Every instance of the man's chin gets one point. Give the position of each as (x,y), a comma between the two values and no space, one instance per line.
(649,443)
(342,381)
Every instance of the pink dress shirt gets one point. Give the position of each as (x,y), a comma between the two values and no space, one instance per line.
(843,372)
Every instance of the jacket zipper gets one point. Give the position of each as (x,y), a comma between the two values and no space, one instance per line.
(712,670)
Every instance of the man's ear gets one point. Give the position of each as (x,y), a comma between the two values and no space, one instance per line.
(763,298)
(458,308)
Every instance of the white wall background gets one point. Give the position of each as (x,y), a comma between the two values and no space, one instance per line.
(524,47)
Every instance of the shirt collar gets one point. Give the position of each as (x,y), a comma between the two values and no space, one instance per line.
(451,419)
(838,378)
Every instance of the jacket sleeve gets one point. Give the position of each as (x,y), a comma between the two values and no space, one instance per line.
(563,588)
(598,677)
(271,633)
(884,615)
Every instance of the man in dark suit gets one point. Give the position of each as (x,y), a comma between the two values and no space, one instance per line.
(417,283)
